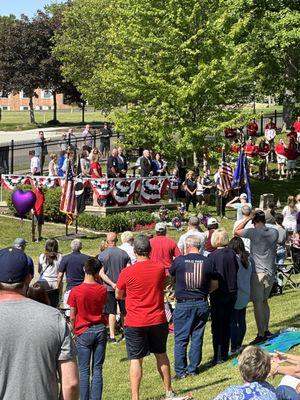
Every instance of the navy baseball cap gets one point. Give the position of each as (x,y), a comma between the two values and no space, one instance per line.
(13,265)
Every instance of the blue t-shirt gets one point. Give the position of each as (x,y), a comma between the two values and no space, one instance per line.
(72,264)
(249,391)
(225,265)
(193,273)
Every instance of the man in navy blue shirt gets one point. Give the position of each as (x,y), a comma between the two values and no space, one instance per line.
(195,279)
(72,264)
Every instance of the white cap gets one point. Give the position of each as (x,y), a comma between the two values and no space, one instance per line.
(211,221)
(243,196)
(160,227)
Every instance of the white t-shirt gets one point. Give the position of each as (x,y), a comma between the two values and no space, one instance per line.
(238,208)
(129,250)
(49,272)
(191,232)
(247,226)
(35,164)
(200,189)
(289,218)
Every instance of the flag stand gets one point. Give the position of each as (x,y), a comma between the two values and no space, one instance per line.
(67,226)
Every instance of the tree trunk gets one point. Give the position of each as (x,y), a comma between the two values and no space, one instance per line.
(82,112)
(31,110)
(289,108)
(54,106)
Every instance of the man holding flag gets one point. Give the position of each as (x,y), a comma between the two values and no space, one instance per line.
(68,202)
(223,180)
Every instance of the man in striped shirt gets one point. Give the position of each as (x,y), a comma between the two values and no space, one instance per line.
(195,278)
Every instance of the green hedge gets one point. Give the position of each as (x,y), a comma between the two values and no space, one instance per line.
(118,222)
(51,207)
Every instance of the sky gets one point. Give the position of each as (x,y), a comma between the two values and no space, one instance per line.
(27,7)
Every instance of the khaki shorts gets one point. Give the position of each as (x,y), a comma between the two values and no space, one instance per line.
(261,286)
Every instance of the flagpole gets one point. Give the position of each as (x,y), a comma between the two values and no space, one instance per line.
(66,173)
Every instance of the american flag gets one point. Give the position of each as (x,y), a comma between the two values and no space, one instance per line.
(194,275)
(68,202)
(225,175)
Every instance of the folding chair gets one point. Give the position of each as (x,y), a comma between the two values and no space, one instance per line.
(284,273)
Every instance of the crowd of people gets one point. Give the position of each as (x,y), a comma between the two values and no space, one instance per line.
(131,289)
(284,153)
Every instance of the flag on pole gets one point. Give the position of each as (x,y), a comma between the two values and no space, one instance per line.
(241,179)
(68,202)
(225,175)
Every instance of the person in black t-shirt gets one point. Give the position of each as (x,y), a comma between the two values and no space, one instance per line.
(222,301)
(195,278)
(190,187)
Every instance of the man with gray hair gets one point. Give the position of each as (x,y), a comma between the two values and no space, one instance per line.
(20,244)
(193,229)
(146,327)
(245,211)
(35,342)
(72,264)
(194,280)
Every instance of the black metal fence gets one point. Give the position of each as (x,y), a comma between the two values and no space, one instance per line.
(14,157)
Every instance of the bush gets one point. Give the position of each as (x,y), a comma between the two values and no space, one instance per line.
(10,204)
(119,222)
(52,204)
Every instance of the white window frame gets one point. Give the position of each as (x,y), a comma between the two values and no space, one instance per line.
(24,108)
(22,96)
(43,94)
(7,108)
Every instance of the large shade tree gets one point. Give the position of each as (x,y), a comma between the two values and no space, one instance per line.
(180,68)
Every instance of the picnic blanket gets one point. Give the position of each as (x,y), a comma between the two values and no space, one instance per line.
(283,342)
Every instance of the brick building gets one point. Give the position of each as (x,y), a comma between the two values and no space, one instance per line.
(19,102)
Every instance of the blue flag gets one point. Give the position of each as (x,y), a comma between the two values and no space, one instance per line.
(241,179)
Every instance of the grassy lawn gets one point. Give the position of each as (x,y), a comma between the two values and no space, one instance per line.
(19,120)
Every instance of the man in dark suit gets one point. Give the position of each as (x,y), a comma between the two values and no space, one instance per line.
(146,164)
(113,164)
(122,163)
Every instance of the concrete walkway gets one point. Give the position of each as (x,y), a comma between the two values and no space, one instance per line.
(24,136)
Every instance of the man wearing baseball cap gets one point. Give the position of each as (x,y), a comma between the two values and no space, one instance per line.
(238,205)
(163,248)
(20,244)
(35,343)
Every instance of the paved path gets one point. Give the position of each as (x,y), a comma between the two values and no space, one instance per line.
(24,136)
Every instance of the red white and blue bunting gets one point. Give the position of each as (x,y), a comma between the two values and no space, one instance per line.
(122,190)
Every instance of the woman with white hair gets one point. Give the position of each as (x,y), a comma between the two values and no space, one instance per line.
(127,245)
(255,366)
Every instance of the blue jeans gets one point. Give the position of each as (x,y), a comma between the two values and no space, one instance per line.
(287,393)
(189,324)
(91,344)
(237,328)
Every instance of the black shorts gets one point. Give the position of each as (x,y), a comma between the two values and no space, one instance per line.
(141,341)
(38,219)
(111,304)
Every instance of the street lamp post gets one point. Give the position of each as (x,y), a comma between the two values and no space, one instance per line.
(254,97)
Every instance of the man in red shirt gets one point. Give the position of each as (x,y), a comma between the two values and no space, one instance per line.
(263,152)
(87,302)
(163,248)
(146,328)
(281,158)
(296,125)
(250,150)
(252,128)
(38,212)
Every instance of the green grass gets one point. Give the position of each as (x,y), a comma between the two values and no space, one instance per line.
(19,120)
